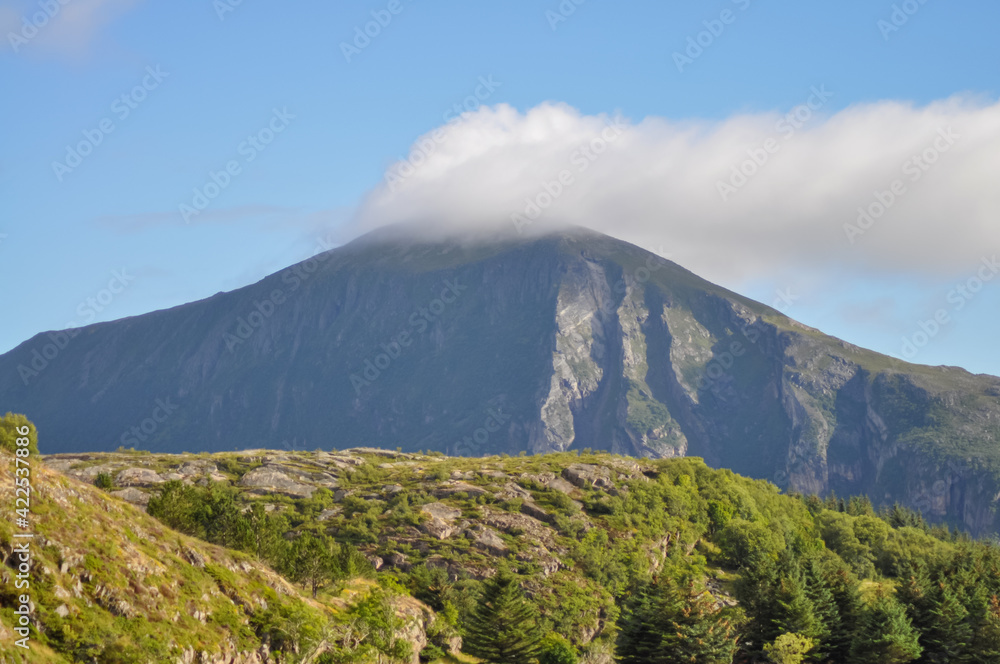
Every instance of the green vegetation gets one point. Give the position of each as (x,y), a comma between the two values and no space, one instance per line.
(559,558)
(16,431)
(503,628)
(677,562)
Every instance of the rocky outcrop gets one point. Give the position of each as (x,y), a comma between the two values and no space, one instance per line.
(440,520)
(270,479)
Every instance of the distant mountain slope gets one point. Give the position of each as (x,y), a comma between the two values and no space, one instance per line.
(564,341)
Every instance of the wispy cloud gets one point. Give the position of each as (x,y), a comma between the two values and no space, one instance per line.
(65,29)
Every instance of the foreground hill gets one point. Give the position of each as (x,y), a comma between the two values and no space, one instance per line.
(542,344)
(591,538)
(110,584)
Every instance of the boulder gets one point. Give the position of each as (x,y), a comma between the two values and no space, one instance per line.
(439,522)
(268,479)
(489,541)
(399,561)
(519,525)
(452,487)
(586,475)
(138,477)
(511,491)
(560,485)
(132,495)
(533,510)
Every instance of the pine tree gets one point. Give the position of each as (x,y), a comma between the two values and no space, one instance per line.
(914,593)
(695,631)
(756,592)
(676,622)
(885,634)
(639,633)
(824,608)
(503,628)
(986,642)
(844,589)
(949,636)
(795,614)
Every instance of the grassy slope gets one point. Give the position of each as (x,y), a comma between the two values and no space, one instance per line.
(129,582)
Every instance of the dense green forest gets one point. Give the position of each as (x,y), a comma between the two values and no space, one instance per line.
(813,580)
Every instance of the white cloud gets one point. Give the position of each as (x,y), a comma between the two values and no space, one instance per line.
(67,29)
(657,185)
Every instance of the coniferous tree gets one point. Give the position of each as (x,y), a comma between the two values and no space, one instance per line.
(986,640)
(885,634)
(795,612)
(949,637)
(824,608)
(639,632)
(756,592)
(844,588)
(503,628)
(675,621)
(915,594)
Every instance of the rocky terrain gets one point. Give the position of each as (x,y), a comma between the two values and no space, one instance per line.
(562,342)
(109,581)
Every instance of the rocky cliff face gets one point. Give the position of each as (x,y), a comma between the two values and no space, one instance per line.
(566,341)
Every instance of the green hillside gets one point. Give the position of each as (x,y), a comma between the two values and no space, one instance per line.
(627,560)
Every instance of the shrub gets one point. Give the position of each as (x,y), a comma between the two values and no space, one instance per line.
(104,481)
(14,428)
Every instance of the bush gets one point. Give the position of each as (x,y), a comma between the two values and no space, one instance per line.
(14,428)
(556,649)
(104,481)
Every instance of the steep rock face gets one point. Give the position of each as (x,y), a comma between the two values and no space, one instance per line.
(565,341)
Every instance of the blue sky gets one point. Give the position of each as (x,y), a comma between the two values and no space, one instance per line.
(213,77)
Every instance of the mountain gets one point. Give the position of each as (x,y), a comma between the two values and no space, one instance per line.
(561,341)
